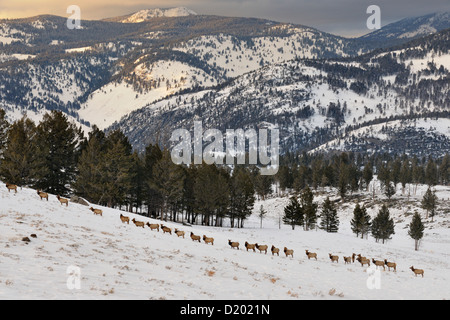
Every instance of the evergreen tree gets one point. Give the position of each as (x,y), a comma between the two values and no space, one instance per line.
(61,140)
(367,174)
(309,208)
(356,222)
(168,181)
(293,214)
(431,173)
(416,229)
(263,185)
(329,219)
(365,223)
(344,175)
(389,189)
(116,168)
(383,225)
(429,203)
(284,178)
(242,196)
(23,161)
(3,130)
(212,194)
(105,170)
(444,170)
(152,197)
(89,180)
(405,174)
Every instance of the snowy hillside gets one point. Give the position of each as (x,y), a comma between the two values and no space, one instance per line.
(311,101)
(432,136)
(121,261)
(412,27)
(144,15)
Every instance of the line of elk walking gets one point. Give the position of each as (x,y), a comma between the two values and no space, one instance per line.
(234,244)
(288,252)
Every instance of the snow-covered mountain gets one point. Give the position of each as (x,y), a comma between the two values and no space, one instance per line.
(75,254)
(144,15)
(295,75)
(412,27)
(314,101)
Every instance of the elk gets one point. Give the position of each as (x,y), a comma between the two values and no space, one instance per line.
(233,244)
(179,233)
(288,252)
(261,248)
(208,240)
(378,263)
(166,229)
(334,258)
(153,226)
(11,187)
(417,271)
(96,211)
(195,237)
(138,223)
(43,195)
(124,219)
(275,250)
(347,259)
(390,265)
(63,201)
(250,246)
(363,260)
(311,254)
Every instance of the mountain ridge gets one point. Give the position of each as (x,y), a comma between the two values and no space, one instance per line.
(107,70)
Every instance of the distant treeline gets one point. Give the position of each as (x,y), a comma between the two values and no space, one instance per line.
(55,157)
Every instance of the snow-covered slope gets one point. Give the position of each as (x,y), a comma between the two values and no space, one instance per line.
(120,261)
(144,15)
(430,136)
(412,27)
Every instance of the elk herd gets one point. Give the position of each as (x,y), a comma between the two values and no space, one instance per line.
(234,244)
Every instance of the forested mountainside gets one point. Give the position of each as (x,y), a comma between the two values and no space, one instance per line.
(312,101)
(177,64)
(412,27)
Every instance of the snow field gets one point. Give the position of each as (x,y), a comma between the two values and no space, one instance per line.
(120,261)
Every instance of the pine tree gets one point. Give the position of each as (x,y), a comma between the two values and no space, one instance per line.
(23,161)
(309,208)
(416,229)
(365,223)
(367,174)
(89,180)
(344,176)
(429,203)
(329,219)
(389,189)
(242,196)
(152,197)
(168,181)
(263,185)
(116,168)
(293,214)
(4,125)
(431,173)
(444,170)
(356,222)
(383,225)
(61,140)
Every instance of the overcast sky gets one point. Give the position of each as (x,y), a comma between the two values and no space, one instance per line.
(342,17)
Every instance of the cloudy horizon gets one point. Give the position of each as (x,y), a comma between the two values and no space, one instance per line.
(343,17)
